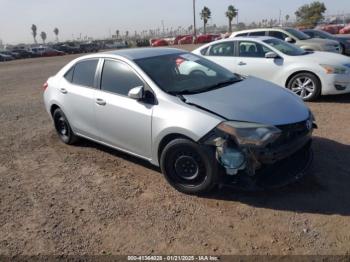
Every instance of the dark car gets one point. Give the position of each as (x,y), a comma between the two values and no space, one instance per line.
(22,53)
(13,54)
(68,48)
(4,57)
(343,40)
(89,48)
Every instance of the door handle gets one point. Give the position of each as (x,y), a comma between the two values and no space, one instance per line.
(63,91)
(241,63)
(100,102)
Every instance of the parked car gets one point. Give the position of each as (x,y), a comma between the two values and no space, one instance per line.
(332,29)
(343,40)
(142,43)
(4,57)
(89,47)
(207,38)
(201,130)
(11,53)
(68,48)
(23,53)
(293,36)
(117,44)
(179,37)
(160,42)
(46,51)
(186,40)
(345,30)
(307,74)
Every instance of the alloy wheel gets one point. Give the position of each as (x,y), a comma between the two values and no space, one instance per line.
(304,87)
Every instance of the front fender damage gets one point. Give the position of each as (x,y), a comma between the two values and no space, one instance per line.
(260,168)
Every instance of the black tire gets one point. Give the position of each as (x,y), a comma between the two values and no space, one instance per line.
(189,167)
(295,84)
(63,128)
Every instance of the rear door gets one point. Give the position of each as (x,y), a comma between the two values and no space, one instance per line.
(224,55)
(77,91)
(123,122)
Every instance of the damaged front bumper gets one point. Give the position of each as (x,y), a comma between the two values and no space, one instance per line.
(274,165)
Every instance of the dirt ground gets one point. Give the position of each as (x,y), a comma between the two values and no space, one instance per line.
(88,199)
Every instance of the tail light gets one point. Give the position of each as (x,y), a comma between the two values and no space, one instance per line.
(45,86)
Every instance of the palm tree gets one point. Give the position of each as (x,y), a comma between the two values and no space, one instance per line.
(56,32)
(287,18)
(205,16)
(43,36)
(231,13)
(34,32)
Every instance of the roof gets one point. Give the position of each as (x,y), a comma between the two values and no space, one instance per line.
(245,38)
(138,53)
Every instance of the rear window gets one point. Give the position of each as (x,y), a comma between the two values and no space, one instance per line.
(260,33)
(242,34)
(69,74)
(84,73)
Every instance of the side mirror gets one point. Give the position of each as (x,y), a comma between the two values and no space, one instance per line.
(136,93)
(271,55)
(289,40)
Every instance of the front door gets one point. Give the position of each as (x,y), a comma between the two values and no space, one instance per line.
(123,122)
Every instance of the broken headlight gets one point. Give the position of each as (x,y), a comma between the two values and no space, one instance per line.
(250,134)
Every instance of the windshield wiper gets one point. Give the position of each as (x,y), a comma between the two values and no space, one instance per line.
(207,88)
(219,85)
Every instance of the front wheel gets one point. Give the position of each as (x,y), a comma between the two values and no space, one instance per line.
(63,128)
(305,85)
(189,167)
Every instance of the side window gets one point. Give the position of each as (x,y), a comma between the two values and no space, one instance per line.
(84,73)
(259,33)
(204,51)
(118,77)
(242,34)
(222,49)
(69,74)
(252,49)
(278,34)
(311,34)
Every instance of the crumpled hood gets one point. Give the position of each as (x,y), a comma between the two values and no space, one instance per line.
(253,100)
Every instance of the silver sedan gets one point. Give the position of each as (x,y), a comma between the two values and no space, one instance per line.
(202,124)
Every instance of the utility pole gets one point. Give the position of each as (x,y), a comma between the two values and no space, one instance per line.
(194,18)
(163,27)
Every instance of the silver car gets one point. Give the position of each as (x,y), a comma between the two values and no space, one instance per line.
(294,36)
(202,124)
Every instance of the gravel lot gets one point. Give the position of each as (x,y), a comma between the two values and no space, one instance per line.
(88,199)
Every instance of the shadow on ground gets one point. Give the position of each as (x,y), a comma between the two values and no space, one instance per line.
(326,189)
(338,99)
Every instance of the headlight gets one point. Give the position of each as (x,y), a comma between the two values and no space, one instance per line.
(330,69)
(250,134)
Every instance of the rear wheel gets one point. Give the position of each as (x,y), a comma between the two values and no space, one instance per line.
(305,85)
(189,167)
(63,128)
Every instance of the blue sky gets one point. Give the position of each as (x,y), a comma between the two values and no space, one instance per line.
(97,18)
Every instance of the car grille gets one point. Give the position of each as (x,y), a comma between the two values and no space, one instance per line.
(290,133)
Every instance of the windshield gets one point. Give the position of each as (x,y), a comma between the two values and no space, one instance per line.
(185,73)
(284,47)
(298,34)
